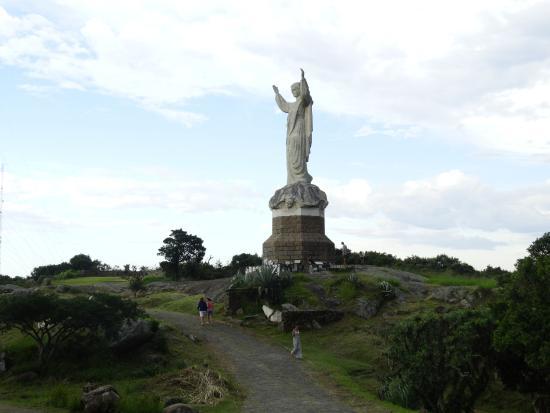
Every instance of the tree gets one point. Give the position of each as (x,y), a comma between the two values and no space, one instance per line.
(540,247)
(240,262)
(441,362)
(50,321)
(81,262)
(181,248)
(522,336)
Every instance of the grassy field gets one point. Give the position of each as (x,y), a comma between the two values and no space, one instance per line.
(89,281)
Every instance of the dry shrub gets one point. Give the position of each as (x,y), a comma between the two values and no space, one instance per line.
(196,386)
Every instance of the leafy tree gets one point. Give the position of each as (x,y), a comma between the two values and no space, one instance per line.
(49,270)
(181,248)
(81,262)
(522,336)
(540,247)
(240,262)
(441,362)
(50,321)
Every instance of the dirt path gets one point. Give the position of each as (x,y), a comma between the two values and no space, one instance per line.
(274,382)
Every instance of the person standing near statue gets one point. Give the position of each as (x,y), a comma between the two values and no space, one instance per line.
(296,343)
(299,130)
(203,308)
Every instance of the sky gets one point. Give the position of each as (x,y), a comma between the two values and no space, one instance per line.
(121,121)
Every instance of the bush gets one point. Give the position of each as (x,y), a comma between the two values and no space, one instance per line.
(440,362)
(67,274)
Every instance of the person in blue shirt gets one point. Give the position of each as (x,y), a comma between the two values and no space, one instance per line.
(203,308)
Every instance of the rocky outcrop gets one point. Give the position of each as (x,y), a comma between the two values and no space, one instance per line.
(308,318)
(133,334)
(99,399)
(368,307)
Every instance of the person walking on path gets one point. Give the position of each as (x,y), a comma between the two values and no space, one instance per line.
(210,309)
(203,308)
(296,343)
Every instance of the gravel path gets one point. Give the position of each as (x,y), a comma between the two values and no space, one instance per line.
(272,379)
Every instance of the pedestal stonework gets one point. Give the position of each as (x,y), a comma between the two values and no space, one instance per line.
(298,226)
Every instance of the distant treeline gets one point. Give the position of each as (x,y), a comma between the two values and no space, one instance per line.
(439,263)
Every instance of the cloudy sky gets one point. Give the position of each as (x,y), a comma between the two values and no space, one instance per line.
(122,120)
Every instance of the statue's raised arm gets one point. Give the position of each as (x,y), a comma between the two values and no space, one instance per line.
(299,130)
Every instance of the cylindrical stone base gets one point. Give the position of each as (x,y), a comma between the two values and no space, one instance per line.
(298,237)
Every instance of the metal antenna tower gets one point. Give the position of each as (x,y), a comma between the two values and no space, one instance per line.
(1,209)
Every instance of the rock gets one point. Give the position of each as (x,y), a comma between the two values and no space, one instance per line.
(102,399)
(133,334)
(9,288)
(193,338)
(240,311)
(305,318)
(288,307)
(463,296)
(368,308)
(178,408)
(61,289)
(171,400)
(315,325)
(156,358)
(299,195)
(275,316)
(26,377)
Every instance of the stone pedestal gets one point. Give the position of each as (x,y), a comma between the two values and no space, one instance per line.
(298,226)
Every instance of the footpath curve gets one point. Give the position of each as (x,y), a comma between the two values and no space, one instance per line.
(273,380)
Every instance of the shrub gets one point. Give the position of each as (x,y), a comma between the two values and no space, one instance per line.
(440,362)
(523,331)
(268,279)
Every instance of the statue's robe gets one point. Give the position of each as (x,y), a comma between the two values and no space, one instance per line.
(298,134)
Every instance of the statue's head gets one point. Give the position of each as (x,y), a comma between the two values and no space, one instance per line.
(295,88)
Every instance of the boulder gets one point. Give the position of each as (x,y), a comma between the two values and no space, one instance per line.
(288,307)
(368,307)
(102,399)
(275,316)
(133,334)
(178,408)
(308,318)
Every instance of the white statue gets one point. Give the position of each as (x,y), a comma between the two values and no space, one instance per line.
(298,132)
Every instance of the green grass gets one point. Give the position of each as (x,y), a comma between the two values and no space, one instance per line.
(89,281)
(458,280)
(299,294)
(172,301)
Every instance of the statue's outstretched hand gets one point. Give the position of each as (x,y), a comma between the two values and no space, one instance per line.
(302,70)
(276,89)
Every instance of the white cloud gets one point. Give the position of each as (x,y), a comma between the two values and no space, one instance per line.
(450,210)
(454,68)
